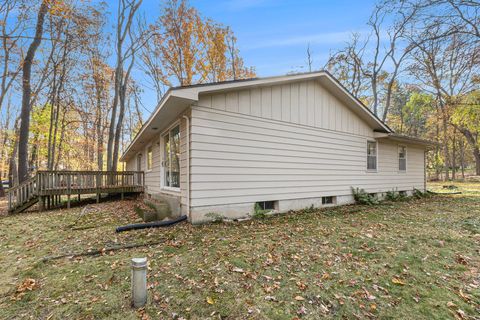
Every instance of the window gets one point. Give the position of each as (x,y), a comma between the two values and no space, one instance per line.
(265,205)
(327,200)
(171,154)
(371,155)
(402,158)
(149,158)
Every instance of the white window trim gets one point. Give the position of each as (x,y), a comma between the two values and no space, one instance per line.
(146,157)
(376,156)
(398,158)
(173,190)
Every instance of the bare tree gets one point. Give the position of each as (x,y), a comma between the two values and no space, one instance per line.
(126,13)
(309,58)
(26,95)
(347,65)
(11,48)
(151,57)
(446,67)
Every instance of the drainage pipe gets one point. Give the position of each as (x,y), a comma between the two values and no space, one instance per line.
(155,224)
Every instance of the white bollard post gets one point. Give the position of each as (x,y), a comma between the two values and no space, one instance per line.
(139,282)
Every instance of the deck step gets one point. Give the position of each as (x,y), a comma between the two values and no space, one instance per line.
(24,206)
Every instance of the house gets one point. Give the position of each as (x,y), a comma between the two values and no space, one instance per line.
(282,143)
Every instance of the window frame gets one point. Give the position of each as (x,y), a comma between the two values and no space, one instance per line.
(398,157)
(165,132)
(376,156)
(149,146)
(328,200)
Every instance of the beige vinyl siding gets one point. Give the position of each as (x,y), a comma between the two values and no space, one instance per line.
(153,177)
(131,164)
(238,158)
(306,103)
(183,164)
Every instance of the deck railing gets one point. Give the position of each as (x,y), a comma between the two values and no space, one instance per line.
(73,181)
(56,183)
(21,194)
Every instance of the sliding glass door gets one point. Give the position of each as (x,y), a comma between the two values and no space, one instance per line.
(171,156)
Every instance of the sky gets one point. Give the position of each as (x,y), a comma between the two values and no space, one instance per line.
(273,35)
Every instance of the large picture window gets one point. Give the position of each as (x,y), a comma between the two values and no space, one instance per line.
(172,158)
(402,158)
(371,155)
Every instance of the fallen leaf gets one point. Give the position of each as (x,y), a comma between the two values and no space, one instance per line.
(270,298)
(210,300)
(398,281)
(299,298)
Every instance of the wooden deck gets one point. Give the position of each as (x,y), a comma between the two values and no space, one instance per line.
(47,187)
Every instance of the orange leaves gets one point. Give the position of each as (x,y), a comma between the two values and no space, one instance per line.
(28,284)
(195,49)
(58,8)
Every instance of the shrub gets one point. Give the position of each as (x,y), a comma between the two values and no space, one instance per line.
(362,197)
(215,217)
(395,196)
(258,212)
(310,209)
(419,194)
(392,196)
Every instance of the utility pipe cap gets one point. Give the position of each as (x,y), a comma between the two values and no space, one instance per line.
(139,263)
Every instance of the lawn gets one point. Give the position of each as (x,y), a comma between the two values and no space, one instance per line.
(411,259)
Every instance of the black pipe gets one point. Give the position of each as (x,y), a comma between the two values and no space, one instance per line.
(155,224)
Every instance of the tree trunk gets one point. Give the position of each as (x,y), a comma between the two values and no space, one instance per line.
(476,154)
(99,133)
(472,140)
(454,155)
(26,94)
(375,97)
(462,158)
(446,153)
(437,153)
(12,167)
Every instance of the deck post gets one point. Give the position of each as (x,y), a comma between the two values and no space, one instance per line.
(68,201)
(122,196)
(79,197)
(41,204)
(98,197)
(48,202)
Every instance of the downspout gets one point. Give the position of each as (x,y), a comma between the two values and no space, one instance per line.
(187,119)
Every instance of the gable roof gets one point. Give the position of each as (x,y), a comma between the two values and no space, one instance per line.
(178,99)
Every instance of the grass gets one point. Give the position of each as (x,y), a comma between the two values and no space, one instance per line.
(410,259)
